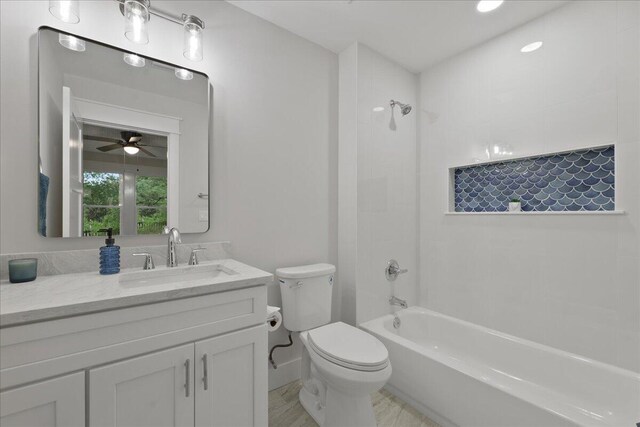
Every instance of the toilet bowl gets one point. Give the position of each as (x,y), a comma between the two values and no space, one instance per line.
(341,364)
(339,376)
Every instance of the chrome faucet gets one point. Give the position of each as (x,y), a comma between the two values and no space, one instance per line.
(397,301)
(172,244)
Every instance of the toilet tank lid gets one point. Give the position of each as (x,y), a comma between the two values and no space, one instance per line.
(305,271)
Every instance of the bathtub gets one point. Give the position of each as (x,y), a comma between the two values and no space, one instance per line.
(460,373)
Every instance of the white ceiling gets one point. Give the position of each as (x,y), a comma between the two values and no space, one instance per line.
(416,34)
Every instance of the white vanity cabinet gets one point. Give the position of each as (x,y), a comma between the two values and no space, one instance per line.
(57,402)
(183,362)
(151,390)
(231,379)
(228,387)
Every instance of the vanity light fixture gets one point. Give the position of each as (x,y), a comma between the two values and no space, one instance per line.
(193,27)
(183,74)
(71,42)
(136,17)
(137,14)
(131,149)
(485,6)
(531,47)
(134,60)
(65,10)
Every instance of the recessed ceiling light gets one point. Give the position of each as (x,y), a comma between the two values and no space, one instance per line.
(71,43)
(485,6)
(531,47)
(134,60)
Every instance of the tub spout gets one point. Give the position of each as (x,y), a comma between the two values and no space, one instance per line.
(397,301)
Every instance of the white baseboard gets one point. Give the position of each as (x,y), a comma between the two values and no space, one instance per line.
(433,416)
(286,373)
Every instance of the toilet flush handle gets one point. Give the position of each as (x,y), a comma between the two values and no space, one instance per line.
(296,285)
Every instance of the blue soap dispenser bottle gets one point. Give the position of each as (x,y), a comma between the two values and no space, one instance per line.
(109,254)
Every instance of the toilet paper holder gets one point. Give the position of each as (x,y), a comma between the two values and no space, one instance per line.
(272,320)
(273,315)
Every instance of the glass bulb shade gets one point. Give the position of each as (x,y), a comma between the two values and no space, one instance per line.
(136,17)
(131,149)
(183,74)
(65,10)
(134,60)
(71,43)
(192,41)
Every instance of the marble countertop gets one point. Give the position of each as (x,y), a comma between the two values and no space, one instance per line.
(64,295)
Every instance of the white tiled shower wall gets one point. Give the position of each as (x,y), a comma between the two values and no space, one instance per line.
(569,281)
(377,166)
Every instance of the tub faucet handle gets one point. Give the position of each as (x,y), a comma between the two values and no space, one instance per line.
(393,270)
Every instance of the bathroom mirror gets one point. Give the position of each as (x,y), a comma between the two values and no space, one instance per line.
(123,141)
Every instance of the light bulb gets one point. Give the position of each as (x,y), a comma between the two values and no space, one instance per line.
(131,149)
(183,74)
(531,47)
(136,16)
(485,6)
(71,42)
(65,10)
(193,27)
(134,60)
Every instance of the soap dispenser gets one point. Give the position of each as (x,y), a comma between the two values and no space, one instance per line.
(109,254)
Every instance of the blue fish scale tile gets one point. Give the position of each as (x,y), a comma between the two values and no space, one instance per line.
(582,180)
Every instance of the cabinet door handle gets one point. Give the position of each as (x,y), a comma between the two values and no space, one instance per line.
(187,383)
(205,378)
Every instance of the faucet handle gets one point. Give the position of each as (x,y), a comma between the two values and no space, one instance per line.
(148,260)
(193,259)
(393,270)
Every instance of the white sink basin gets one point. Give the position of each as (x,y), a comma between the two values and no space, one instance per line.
(162,276)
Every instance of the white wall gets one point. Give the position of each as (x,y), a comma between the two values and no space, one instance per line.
(572,282)
(378,205)
(274,146)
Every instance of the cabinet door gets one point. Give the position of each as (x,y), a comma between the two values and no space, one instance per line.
(155,390)
(231,379)
(56,402)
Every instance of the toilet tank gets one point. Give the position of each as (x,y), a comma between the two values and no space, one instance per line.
(306,295)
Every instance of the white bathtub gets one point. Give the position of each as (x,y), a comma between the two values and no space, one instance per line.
(463,374)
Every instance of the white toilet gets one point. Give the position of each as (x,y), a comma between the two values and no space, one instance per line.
(341,365)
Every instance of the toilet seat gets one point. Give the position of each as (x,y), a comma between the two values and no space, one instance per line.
(349,347)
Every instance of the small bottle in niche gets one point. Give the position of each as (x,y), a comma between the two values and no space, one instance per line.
(109,254)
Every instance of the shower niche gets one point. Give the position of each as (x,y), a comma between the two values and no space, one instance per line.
(578,181)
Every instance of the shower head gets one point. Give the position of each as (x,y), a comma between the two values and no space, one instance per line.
(404,108)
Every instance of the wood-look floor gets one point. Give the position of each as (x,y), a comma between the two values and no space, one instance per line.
(286,411)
